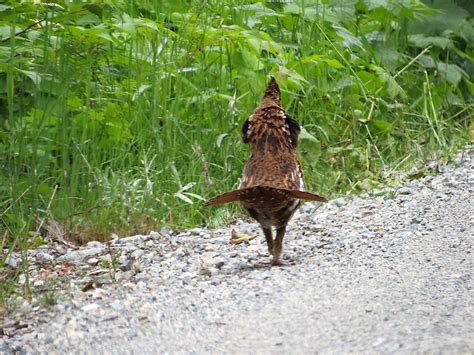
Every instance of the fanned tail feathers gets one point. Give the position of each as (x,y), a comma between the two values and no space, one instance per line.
(262,194)
(226,197)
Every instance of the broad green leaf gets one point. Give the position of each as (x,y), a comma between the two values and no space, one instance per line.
(34,76)
(5,8)
(371,81)
(447,15)
(426,61)
(451,72)
(88,19)
(388,56)
(393,89)
(34,35)
(319,58)
(292,8)
(127,24)
(348,38)
(140,91)
(250,59)
(312,58)
(382,125)
(373,4)
(305,135)
(74,102)
(258,9)
(284,75)
(5,32)
(341,84)
(334,63)
(422,41)
(454,99)
(309,147)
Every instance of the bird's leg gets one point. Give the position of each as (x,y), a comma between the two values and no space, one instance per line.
(269,238)
(277,248)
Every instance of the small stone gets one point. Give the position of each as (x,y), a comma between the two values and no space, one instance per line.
(21,279)
(44,257)
(196,231)
(339,202)
(78,256)
(237,264)
(124,276)
(260,276)
(210,247)
(24,307)
(165,231)
(233,254)
(179,252)
(207,257)
(155,235)
(135,239)
(99,293)
(93,261)
(137,254)
(116,242)
(38,283)
(117,305)
(95,244)
(125,265)
(91,307)
(12,261)
(141,277)
(186,277)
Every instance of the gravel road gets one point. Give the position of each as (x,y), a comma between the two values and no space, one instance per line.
(389,274)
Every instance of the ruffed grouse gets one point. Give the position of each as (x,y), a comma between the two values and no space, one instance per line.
(272,184)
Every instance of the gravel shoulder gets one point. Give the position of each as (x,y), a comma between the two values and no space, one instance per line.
(387,274)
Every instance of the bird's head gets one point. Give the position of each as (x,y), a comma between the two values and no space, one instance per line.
(272,95)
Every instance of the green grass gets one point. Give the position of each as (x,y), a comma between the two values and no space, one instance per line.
(123,116)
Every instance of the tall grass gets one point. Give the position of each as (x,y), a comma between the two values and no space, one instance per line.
(123,116)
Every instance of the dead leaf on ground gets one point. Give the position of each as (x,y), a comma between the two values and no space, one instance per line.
(236,238)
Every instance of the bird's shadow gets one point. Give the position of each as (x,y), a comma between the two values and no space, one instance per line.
(257,265)
(294,259)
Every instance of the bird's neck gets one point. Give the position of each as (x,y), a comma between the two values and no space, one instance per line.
(271,140)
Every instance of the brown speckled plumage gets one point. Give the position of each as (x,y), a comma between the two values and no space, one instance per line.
(272,184)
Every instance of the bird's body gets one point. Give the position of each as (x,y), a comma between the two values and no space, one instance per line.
(272,184)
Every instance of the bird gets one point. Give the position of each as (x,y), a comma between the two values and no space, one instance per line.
(272,185)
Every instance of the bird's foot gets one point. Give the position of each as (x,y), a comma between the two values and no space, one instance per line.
(279,262)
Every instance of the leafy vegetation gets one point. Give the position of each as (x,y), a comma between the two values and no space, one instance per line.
(124,115)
